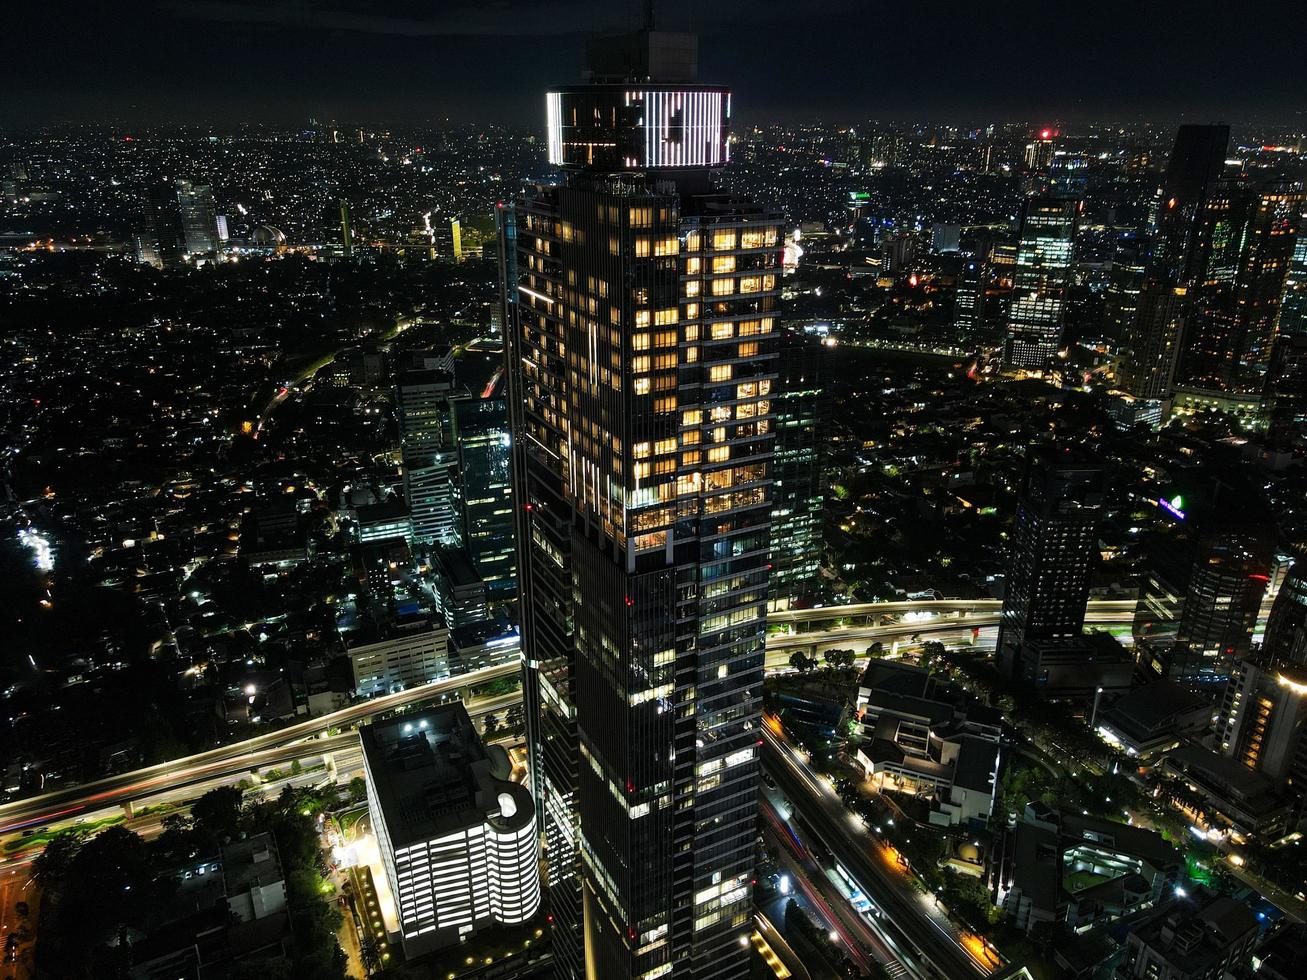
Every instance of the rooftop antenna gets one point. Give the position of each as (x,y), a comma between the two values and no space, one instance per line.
(648,15)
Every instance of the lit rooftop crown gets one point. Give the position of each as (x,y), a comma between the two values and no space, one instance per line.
(642,109)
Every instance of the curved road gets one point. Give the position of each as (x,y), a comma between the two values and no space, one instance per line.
(121,788)
(113,790)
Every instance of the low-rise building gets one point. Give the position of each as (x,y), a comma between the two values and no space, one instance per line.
(457,837)
(459,591)
(1197,937)
(1233,797)
(1074,668)
(252,877)
(1154,718)
(377,522)
(399,654)
(916,740)
(484,644)
(1075,869)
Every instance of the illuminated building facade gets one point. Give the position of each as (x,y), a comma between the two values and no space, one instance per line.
(969,301)
(429,455)
(641,342)
(1151,340)
(1293,309)
(485,491)
(199,218)
(1203,587)
(1254,230)
(1179,246)
(1262,723)
(457,837)
(796,532)
(1043,271)
(1038,156)
(1054,539)
(1286,629)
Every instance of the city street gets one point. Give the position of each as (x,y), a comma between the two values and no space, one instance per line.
(919,926)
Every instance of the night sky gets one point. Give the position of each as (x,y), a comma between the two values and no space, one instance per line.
(396,61)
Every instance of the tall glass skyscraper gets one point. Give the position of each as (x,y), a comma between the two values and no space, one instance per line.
(641,343)
(1293,311)
(1044,257)
(198,218)
(1254,230)
(430,458)
(796,548)
(485,493)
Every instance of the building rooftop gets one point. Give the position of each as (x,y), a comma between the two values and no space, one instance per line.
(1223,774)
(249,863)
(433,776)
(1153,709)
(1284,955)
(457,567)
(395,510)
(1195,933)
(403,625)
(1120,837)
(897,678)
(976,764)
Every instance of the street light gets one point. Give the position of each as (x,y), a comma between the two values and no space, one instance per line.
(1094,716)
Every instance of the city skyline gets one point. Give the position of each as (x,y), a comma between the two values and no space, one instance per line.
(626,535)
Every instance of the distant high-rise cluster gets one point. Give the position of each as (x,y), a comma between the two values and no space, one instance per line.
(181,223)
(1208,313)
(455,451)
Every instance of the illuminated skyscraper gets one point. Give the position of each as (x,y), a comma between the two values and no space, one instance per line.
(1054,538)
(485,493)
(346,233)
(429,453)
(969,301)
(1286,629)
(641,340)
(161,241)
(1203,584)
(1293,311)
(796,547)
(1263,717)
(1254,229)
(1044,258)
(1262,720)
(1181,239)
(447,237)
(1180,244)
(1039,151)
(199,218)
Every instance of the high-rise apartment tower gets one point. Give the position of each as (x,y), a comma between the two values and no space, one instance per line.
(641,313)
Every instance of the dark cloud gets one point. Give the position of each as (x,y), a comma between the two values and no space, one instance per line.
(392,18)
(421,60)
